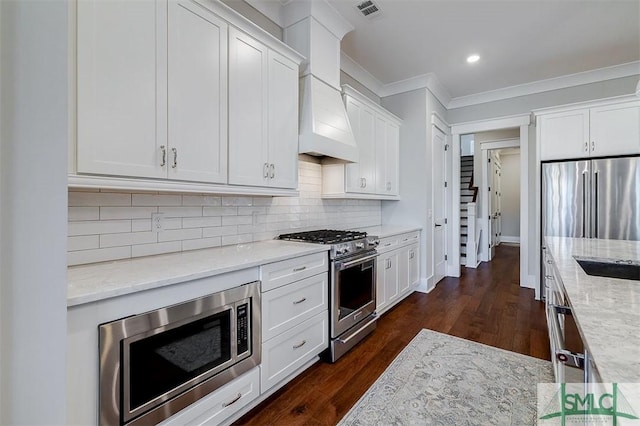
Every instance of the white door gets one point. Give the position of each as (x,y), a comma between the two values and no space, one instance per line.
(197,96)
(362,121)
(439,204)
(248,156)
(121,88)
(494,204)
(283,131)
(392,159)
(564,135)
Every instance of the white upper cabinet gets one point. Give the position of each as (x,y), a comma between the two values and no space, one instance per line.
(263,111)
(197,95)
(361,176)
(377,135)
(615,129)
(121,69)
(248,155)
(599,131)
(184,91)
(283,121)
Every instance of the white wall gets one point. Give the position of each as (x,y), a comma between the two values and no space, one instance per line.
(117,225)
(466,145)
(510,188)
(416,181)
(33,203)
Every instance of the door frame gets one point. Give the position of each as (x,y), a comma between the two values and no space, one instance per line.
(485,147)
(522,122)
(440,127)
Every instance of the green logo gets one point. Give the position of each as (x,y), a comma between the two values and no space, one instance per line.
(570,407)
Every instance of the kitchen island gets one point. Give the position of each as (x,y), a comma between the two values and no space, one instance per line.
(606,310)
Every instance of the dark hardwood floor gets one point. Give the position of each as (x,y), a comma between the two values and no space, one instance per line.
(485,305)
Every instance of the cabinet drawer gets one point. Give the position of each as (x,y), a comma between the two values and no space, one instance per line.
(409,238)
(388,243)
(221,404)
(290,350)
(274,275)
(286,306)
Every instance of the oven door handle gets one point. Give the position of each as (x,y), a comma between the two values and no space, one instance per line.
(345,341)
(567,357)
(342,266)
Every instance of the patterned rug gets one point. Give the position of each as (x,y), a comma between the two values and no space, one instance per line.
(444,380)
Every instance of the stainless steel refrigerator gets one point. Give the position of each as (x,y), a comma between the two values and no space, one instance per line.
(597,198)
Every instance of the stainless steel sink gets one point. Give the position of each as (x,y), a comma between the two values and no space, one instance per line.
(610,268)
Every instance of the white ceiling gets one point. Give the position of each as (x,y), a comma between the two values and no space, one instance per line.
(519,41)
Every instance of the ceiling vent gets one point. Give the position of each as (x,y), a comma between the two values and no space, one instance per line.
(369,9)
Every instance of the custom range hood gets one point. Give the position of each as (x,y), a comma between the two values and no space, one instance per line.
(314,28)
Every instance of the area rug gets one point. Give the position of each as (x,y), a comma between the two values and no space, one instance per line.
(444,380)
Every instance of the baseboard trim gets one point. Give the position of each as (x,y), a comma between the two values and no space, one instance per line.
(509,239)
(423,286)
(530,282)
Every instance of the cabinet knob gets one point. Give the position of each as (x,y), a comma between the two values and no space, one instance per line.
(265,170)
(272,171)
(175,158)
(593,145)
(586,147)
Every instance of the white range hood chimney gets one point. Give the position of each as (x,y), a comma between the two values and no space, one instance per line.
(314,28)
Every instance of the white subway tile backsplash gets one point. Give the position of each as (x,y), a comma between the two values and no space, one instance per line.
(219,231)
(156,200)
(202,243)
(107,213)
(83,242)
(84,213)
(219,211)
(96,227)
(180,234)
(98,255)
(127,239)
(110,225)
(181,211)
(201,200)
(158,248)
(98,199)
(201,222)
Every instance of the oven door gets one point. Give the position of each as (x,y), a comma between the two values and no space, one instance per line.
(353,291)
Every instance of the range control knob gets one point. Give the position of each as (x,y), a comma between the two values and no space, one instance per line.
(359,245)
(343,250)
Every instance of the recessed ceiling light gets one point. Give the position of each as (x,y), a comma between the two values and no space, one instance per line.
(473,58)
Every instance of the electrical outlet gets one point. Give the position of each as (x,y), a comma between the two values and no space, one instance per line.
(157,222)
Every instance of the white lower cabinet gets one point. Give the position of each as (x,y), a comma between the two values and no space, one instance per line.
(221,404)
(398,269)
(289,351)
(295,316)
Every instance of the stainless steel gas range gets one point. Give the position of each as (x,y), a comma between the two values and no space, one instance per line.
(352,288)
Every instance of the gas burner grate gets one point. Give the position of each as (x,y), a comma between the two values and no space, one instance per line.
(324,236)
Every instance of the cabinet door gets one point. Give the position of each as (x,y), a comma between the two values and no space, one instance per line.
(360,176)
(392,157)
(381,299)
(121,87)
(283,124)
(248,156)
(403,270)
(414,264)
(564,135)
(391,277)
(197,94)
(615,129)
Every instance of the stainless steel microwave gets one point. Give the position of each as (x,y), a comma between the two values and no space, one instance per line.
(155,364)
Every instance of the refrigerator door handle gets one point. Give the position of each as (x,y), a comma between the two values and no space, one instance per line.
(595,204)
(584,204)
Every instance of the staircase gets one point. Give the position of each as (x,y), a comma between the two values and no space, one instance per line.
(468,194)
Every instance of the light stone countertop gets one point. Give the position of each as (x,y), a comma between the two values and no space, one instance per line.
(388,231)
(606,310)
(90,283)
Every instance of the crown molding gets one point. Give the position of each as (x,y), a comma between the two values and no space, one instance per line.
(355,70)
(562,82)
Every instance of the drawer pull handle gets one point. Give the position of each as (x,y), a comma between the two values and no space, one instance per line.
(297,302)
(233,401)
(387,244)
(299,345)
(302,268)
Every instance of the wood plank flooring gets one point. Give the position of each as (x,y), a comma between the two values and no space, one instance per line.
(485,305)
